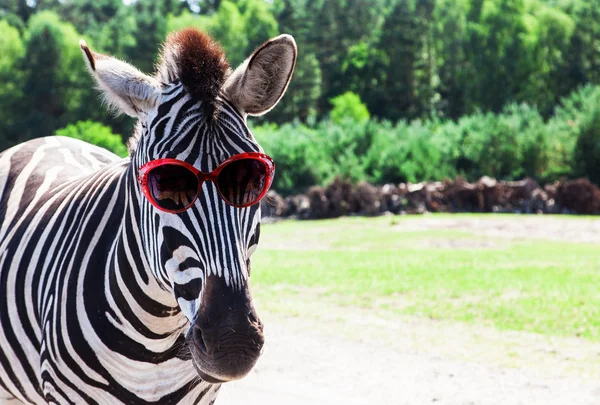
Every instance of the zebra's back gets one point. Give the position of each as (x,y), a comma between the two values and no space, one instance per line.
(37,166)
(39,184)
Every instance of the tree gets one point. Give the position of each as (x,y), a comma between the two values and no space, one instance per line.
(205,7)
(348,105)
(56,82)
(259,22)
(227,26)
(450,31)
(303,93)
(12,51)
(405,90)
(305,89)
(581,58)
(21,8)
(85,15)
(547,39)
(495,48)
(328,29)
(150,32)
(587,150)
(187,19)
(333,28)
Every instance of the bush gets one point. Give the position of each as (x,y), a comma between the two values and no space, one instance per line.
(306,156)
(587,149)
(579,196)
(341,198)
(406,152)
(577,127)
(300,161)
(96,134)
(564,130)
(511,145)
(494,145)
(344,145)
(348,105)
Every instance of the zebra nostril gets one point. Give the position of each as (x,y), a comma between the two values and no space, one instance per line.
(200,343)
(255,321)
(252,317)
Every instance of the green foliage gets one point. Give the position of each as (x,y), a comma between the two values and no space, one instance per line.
(12,51)
(452,67)
(327,33)
(348,105)
(150,31)
(344,143)
(496,145)
(226,25)
(547,38)
(22,9)
(109,25)
(564,129)
(300,162)
(301,101)
(405,62)
(469,87)
(96,134)
(510,145)
(205,7)
(303,93)
(407,152)
(56,83)
(577,124)
(187,19)
(260,23)
(587,150)
(406,59)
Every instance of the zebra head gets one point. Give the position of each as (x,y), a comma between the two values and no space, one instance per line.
(194,110)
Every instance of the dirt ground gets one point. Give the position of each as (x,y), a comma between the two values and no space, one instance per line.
(560,228)
(354,357)
(429,364)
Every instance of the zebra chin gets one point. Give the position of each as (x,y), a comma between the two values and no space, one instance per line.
(225,352)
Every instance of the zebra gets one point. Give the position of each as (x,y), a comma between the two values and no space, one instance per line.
(123,287)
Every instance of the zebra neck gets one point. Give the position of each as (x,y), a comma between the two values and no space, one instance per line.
(147,309)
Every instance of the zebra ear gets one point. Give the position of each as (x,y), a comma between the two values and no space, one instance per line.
(259,83)
(125,88)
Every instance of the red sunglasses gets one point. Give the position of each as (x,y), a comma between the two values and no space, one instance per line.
(172,185)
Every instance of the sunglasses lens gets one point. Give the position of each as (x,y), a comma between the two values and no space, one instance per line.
(172,187)
(242,182)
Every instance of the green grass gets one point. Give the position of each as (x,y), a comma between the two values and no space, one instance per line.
(533,285)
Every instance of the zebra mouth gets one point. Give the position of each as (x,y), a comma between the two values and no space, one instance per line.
(206,377)
(220,356)
(201,346)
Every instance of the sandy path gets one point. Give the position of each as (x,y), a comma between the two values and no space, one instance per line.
(557,228)
(309,368)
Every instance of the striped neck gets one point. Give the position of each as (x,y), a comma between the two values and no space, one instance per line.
(148,312)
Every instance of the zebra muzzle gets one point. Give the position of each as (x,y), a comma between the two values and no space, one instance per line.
(226,338)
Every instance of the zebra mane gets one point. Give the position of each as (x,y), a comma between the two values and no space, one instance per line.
(196,60)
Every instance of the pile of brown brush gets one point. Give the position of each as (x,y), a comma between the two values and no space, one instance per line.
(342,198)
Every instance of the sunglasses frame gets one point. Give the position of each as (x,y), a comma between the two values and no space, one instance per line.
(202,177)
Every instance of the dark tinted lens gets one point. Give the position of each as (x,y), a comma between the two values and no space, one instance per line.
(242,182)
(172,187)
